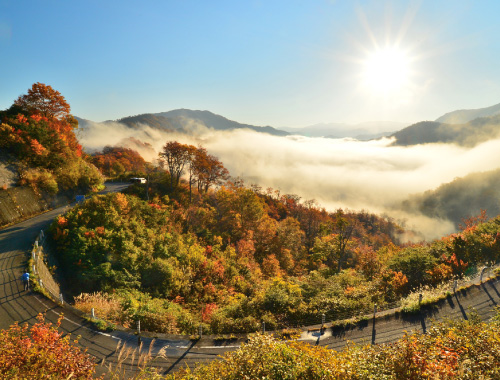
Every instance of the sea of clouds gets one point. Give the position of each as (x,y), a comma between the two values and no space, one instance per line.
(358,175)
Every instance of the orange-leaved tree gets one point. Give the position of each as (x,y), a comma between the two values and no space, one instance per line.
(44,100)
(38,130)
(41,352)
(208,170)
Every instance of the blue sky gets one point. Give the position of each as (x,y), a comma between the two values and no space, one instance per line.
(281,63)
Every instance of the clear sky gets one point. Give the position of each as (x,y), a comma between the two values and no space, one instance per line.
(276,62)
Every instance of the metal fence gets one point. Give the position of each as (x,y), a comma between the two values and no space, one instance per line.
(45,279)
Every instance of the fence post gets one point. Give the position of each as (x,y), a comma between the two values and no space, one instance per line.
(455,284)
(420,298)
(482,272)
(41,283)
(34,269)
(263,327)
(33,254)
(322,320)
(374,310)
(61,298)
(92,313)
(138,332)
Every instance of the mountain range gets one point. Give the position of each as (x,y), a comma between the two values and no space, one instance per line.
(462,127)
(188,120)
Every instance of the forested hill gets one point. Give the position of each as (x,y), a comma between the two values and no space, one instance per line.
(185,120)
(182,117)
(460,199)
(467,134)
(464,116)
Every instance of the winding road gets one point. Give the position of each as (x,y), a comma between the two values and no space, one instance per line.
(23,306)
(170,354)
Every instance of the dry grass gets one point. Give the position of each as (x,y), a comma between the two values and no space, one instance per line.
(430,294)
(136,360)
(105,306)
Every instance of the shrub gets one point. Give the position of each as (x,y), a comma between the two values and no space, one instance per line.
(40,352)
(464,349)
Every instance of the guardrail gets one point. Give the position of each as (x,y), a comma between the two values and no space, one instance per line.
(45,279)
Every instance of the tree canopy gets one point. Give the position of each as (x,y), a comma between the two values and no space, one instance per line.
(42,99)
(38,130)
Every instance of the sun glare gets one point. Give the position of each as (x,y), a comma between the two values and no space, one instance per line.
(386,71)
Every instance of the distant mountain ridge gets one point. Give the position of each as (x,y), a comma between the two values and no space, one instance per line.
(465,134)
(462,127)
(186,120)
(464,116)
(361,131)
(153,120)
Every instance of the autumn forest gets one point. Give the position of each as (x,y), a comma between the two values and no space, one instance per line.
(195,246)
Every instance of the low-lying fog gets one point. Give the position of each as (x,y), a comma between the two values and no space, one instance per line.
(369,175)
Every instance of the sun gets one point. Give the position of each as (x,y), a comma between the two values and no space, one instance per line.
(386,71)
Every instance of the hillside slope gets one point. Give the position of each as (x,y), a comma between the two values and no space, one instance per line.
(464,116)
(461,198)
(467,134)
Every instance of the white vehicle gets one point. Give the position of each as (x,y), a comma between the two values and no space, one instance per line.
(138,180)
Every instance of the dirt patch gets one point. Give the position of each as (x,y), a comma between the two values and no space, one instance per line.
(8,173)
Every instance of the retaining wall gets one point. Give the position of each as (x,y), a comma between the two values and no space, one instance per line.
(18,203)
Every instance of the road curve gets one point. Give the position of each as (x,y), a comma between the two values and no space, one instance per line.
(17,305)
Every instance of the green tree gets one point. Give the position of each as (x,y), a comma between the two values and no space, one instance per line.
(415,263)
(335,245)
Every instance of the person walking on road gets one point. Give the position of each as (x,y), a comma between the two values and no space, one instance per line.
(26,280)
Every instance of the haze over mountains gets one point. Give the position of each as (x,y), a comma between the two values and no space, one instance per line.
(468,133)
(464,127)
(381,175)
(361,131)
(189,121)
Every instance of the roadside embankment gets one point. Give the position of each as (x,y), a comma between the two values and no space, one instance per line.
(19,203)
